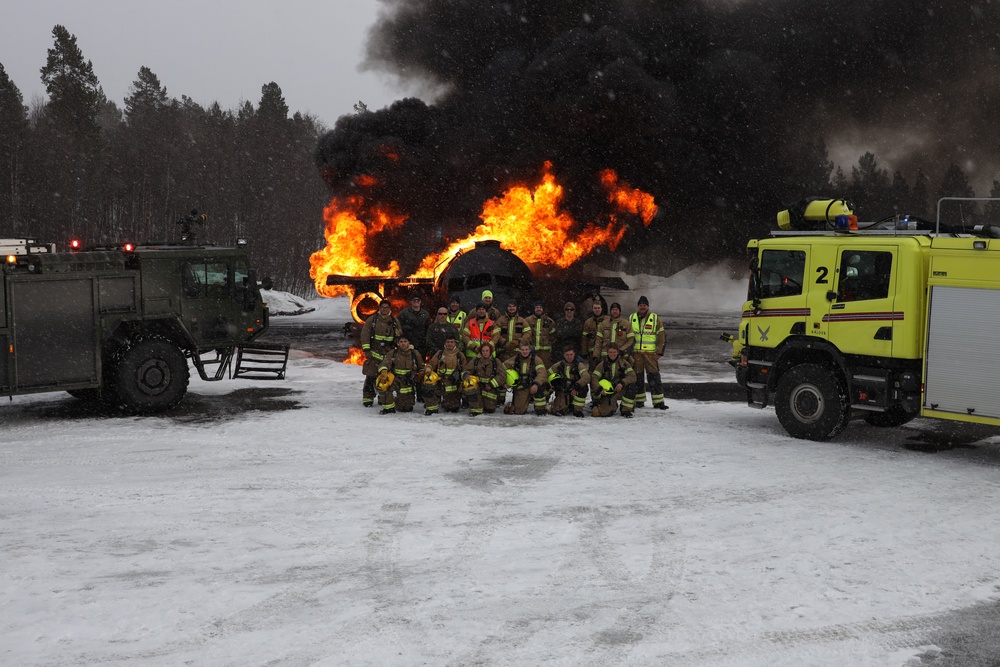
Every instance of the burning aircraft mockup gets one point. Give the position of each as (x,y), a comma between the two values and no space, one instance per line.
(524,249)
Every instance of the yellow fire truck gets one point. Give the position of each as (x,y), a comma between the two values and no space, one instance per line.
(885,321)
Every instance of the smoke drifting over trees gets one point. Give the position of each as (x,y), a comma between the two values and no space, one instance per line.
(724,111)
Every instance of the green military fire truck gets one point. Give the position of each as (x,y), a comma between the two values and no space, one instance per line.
(120,324)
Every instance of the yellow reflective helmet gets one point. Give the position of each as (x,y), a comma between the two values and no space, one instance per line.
(512,377)
(383,382)
(553,377)
(606,385)
(432,378)
(470,382)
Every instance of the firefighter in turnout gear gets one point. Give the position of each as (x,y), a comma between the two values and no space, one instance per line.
(414,321)
(478,329)
(647,331)
(447,366)
(540,334)
(528,382)
(510,329)
(570,381)
(455,313)
(378,338)
(613,382)
(405,364)
(569,331)
(491,376)
(438,331)
(491,311)
(615,329)
(590,327)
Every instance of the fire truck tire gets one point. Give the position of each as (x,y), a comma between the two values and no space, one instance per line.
(811,403)
(150,375)
(895,416)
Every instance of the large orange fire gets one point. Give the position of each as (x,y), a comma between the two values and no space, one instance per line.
(528,222)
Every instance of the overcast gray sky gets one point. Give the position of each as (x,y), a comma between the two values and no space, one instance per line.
(209,50)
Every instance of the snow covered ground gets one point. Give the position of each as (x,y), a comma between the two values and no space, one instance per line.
(280,523)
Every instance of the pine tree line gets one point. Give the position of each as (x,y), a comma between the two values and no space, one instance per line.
(80,167)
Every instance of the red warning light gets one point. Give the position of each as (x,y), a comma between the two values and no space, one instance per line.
(128,247)
(74,244)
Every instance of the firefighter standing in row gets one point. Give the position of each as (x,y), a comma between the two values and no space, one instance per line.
(613,383)
(568,331)
(615,329)
(491,310)
(589,343)
(414,321)
(438,331)
(455,313)
(509,330)
(443,377)
(397,380)
(477,330)
(378,338)
(490,381)
(540,333)
(649,340)
(570,382)
(528,380)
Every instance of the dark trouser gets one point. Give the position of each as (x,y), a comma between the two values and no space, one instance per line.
(606,404)
(646,366)
(565,401)
(443,395)
(483,398)
(370,369)
(522,398)
(398,396)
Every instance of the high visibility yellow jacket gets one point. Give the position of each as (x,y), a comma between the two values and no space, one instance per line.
(648,333)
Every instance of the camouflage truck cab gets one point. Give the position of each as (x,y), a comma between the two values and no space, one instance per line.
(119,324)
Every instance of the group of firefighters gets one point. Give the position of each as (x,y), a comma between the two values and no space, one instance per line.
(471,359)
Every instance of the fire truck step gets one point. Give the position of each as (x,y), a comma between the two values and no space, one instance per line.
(261,361)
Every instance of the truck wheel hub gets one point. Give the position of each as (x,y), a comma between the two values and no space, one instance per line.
(153,377)
(806,403)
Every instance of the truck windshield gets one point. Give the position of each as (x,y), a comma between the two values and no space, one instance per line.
(781,273)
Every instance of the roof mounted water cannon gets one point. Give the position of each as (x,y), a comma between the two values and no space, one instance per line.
(187,224)
(814,214)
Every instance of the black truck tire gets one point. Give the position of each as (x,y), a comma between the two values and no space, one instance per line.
(149,375)
(894,416)
(811,403)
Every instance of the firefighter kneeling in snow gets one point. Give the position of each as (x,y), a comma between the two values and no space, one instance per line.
(443,377)
(397,378)
(613,381)
(527,377)
(570,381)
(484,379)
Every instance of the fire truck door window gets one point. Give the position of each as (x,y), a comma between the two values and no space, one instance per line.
(781,273)
(206,279)
(864,275)
(241,278)
(191,279)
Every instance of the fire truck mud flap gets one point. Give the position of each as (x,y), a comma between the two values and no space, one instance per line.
(261,361)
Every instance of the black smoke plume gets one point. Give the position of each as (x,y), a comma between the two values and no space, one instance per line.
(703,104)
